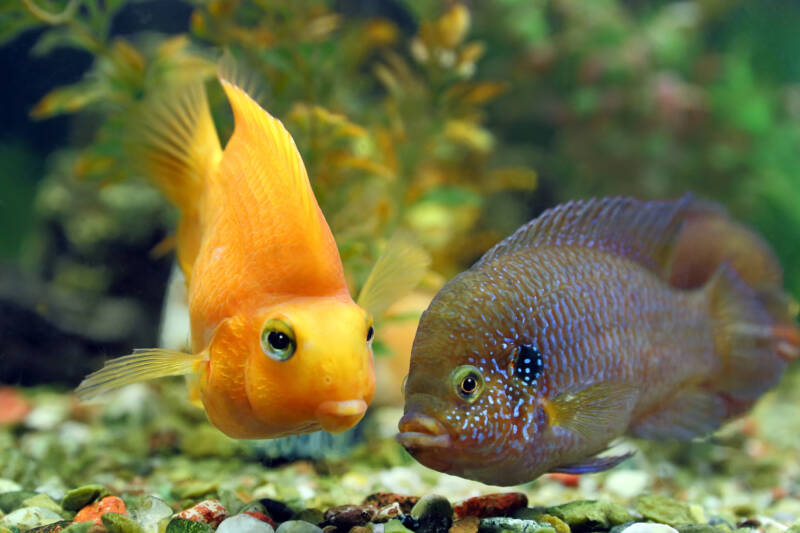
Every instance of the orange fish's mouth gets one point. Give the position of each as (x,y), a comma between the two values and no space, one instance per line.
(337,416)
(418,431)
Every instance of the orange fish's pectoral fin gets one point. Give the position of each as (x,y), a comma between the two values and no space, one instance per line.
(595,413)
(396,272)
(593,464)
(689,413)
(142,365)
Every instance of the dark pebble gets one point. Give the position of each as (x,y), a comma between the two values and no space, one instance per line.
(10,501)
(434,512)
(279,511)
(345,517)
(382,499)
(750,523)
(77,499)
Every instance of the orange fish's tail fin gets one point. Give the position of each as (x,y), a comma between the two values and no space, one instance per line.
(755,336)
(176,145)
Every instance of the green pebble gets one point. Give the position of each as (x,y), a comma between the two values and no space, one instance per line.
(10,501)
(591,514)
(432,505)
(513,525)
(795,528)
(78,527)
(699,528)
(4,529)
(182,525)
(310,515)
(664,510)
(197,489)
(119,523)
(77,499)
(42,500)
(395,526)
(55,527)
(297,526)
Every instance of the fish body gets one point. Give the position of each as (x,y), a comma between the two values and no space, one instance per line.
(279,347)
(587,324)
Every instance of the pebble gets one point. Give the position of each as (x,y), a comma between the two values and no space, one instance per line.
(468,524)
(13,500)
(30,517)
(209,512)
(626,484)
(500,504)
(434,513)
(42,500)
(262,517)
(79,498)
(703,528)
(79,527)
(13,407)
(665,510)
(93,512)
(568,480)
(591,514)
(513,525)
(55,527)
(388,512)
(279,511)
(6,485)
(795,528)
(392,526)
(120,523)
(646,527)
(382,499)
(297,526)
(150,512)
(310,515)
(559,525)
(244,523)
(346,516)
(184,525)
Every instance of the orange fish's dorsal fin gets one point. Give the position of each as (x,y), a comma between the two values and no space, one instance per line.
(281,224)
(643,231)
(177,147)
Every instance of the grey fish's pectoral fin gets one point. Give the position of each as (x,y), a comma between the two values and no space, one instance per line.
(594,464)
(689,413)
(597,412)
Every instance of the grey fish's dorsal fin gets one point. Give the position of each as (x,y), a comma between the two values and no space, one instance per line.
(645,232)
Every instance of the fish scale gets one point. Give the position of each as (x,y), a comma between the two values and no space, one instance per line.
(622,348)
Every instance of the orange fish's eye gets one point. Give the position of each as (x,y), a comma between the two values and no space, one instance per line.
(278,340)
(468,382)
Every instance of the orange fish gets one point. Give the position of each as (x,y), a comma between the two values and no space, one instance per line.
(278,345)
(599,318)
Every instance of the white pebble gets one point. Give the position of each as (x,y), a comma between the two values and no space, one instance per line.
(30,517)
(646,527)
(626,484)
(6,485)
(244,523)
(150,513)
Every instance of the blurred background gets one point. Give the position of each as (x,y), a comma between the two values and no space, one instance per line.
(455,122)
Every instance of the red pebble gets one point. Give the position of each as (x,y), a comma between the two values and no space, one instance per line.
(263,518)
(500,504)
(210,512)
(13,407)
(93,511)
(568,480)
(382,499)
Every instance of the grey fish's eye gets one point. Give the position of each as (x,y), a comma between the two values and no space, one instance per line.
(277,340)
(467,381)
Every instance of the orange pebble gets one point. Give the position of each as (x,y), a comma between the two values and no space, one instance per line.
(568,480)
(13,407)
(93,512)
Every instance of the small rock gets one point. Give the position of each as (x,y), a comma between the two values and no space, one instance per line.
(79,527)
(392,526)
(795,528)
(591,514)
(263,517)
(209,512)
(42,500)
(626,484)
(701,528)
(13,408)
(13,500)
(55,527)
(434,513)
(310,515)
(120,523)
(82,496)
(279,511)
(468,524)
(6,485)
(360,529)
(388,512)
(513,525)
(184,525)
(382,499)
(93,512)
(244,523)
(647,527)
(30,517)
(501,504)
(568,480)
(149,512)
(54,488)
(665,510)
(559,525)
(346,516)
(297,526)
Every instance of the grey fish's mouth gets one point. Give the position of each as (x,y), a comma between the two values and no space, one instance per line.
(418,431)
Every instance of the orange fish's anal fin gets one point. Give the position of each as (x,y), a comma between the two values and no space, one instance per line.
(176,145)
